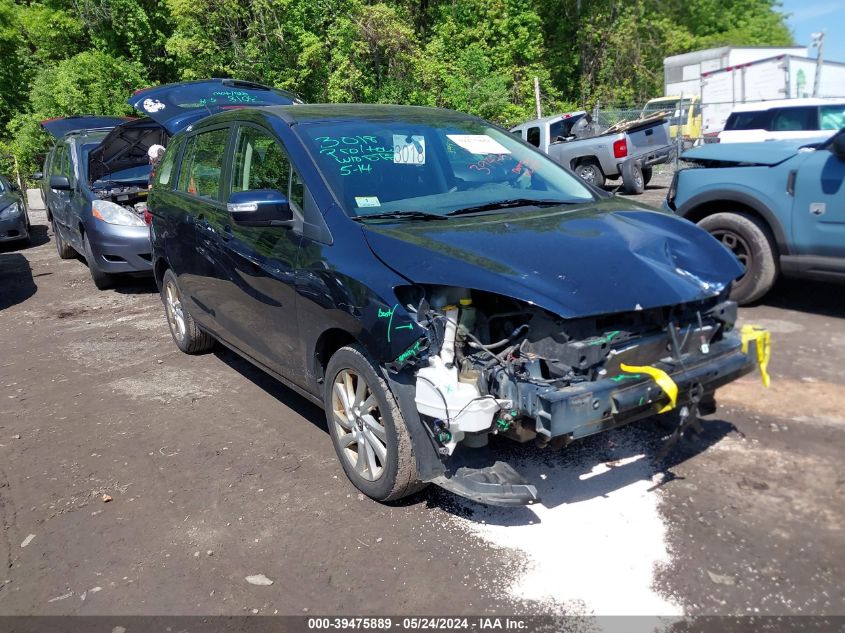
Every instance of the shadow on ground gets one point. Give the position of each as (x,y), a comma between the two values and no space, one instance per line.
(16,280)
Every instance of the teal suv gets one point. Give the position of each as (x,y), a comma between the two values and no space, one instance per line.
(779,206)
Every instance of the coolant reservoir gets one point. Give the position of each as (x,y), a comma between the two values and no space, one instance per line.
(466,322)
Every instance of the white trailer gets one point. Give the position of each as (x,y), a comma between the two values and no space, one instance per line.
(781,77)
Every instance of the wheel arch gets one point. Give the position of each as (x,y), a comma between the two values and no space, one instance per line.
(325,347)
(585,158)
(699,207)
(160,266)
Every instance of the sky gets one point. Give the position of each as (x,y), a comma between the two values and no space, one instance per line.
(809,16)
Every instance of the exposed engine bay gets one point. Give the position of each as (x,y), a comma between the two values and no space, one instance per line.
(132,198)
(495,365)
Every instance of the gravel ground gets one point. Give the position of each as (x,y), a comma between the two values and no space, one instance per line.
(215,472)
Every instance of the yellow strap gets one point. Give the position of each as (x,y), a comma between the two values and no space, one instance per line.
(661,378)
(763,342)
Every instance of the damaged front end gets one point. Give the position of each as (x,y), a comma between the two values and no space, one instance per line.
(490,364)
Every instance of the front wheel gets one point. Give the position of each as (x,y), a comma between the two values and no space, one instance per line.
(102,280)
(64,249)
(367,428)
(748,239)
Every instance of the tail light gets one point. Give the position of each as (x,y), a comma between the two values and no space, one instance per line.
(620,148)
(148,217)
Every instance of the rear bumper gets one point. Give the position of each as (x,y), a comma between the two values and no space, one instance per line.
(658,157)
(593,407)
(121,249)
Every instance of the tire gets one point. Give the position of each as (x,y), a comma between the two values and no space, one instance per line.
(647,174)
(590,171)
(185,332)
(387,469)
(749,239)
(102,280)
(633,182)
(64,249)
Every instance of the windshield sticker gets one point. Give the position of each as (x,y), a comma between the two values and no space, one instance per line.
(408,150)
(354,154)
(479,143)
(367,201)
(488,161)
(153,105)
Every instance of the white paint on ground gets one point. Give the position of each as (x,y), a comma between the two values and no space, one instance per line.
(27,540)
(594,543)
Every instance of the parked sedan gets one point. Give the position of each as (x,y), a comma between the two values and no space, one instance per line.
(96,176)
(14,219)
(346,250)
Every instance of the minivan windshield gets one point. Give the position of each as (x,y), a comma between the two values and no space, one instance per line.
(396,168)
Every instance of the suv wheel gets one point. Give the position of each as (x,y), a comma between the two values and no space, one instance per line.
(590,171)
(185,332)
(367,428)
(102,280)
(748,239)
(64,249)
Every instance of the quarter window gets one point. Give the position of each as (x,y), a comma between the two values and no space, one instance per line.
(203,164)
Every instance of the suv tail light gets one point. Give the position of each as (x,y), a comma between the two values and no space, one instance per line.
(620,148)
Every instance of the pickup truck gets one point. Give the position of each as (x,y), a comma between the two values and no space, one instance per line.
(629,150)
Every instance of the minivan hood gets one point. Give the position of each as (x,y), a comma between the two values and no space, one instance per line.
(574,261)
(60,126)
(763,153)
(176,106)
(125,146)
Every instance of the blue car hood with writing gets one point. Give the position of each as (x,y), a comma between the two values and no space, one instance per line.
(575,261)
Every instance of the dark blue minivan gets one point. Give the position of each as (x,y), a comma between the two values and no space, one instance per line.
(431,280)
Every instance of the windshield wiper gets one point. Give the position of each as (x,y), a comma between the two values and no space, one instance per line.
(400,215)
(507,204)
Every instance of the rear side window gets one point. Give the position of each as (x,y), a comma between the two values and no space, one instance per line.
(798,119)
(203,164)
(534,136)
(164,173)
(832,117)
(260,162)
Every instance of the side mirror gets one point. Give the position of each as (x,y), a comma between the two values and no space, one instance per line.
(837,146)
(260,207)
(37,175)
(59,183)
(14,186)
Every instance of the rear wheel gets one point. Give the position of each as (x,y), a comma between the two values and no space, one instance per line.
(367,428)
(102,280)
(590,171)
(64,249)
(748,239)
(185,332)
(632,178)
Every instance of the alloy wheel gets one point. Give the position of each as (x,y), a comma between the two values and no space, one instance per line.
(175,314)
(361,435)
(737,245)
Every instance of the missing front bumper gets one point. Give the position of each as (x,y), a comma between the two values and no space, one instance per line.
(591,407)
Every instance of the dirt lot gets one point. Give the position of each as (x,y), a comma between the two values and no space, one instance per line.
(216,472)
